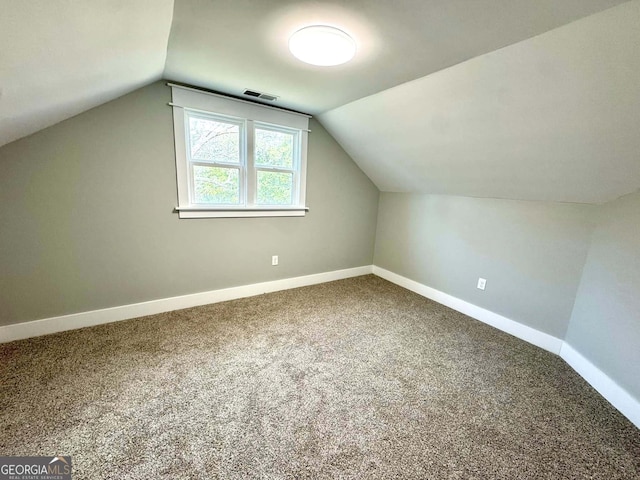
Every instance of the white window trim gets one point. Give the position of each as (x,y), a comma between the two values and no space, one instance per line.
(185,99)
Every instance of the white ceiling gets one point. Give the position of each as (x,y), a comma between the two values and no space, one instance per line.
(231,45)
(61,57)
(507,123)
(555,117)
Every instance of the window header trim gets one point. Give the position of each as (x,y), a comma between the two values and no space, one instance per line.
(195,99)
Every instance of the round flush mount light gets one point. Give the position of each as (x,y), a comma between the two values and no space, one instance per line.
(322,45)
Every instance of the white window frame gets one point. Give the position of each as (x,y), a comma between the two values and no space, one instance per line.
(295,168)
(241,166)
(188,102)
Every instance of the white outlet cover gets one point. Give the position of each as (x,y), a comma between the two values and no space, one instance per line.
(274,260)
(482,283)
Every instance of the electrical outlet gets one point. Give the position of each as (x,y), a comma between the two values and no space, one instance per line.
(482,282)
(274,260)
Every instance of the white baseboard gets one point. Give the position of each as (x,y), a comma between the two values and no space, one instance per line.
(528,334)
(610,390)
(614,393)
(46,326)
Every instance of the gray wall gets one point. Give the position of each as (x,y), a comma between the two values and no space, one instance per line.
(531,253)
(605,324)
(86,217)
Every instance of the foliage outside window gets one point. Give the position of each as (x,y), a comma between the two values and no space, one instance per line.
(231,165)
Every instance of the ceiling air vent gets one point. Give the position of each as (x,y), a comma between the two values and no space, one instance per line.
(260,95)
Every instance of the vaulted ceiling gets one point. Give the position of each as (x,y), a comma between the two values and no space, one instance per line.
(59,58)
(237,44)
(503,98)
(552,118)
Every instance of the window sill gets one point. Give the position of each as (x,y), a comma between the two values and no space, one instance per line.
(193,212)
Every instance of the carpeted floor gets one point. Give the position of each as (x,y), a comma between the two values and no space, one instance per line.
(351,379)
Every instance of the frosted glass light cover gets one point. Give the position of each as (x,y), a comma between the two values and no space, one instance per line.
(322,45)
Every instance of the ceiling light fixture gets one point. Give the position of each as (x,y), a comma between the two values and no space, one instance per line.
(322,45)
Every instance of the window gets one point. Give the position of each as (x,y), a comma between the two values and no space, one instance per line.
(236,158)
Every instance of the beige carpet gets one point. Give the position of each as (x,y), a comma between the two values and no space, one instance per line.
(351,379)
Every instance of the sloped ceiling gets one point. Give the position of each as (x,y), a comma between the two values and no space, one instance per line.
(553,118)
(235,44)
(506,123)
(61,57)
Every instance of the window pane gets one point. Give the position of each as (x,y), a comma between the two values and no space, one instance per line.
(216,185)
(275,188)
(274,149)
(214,141)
